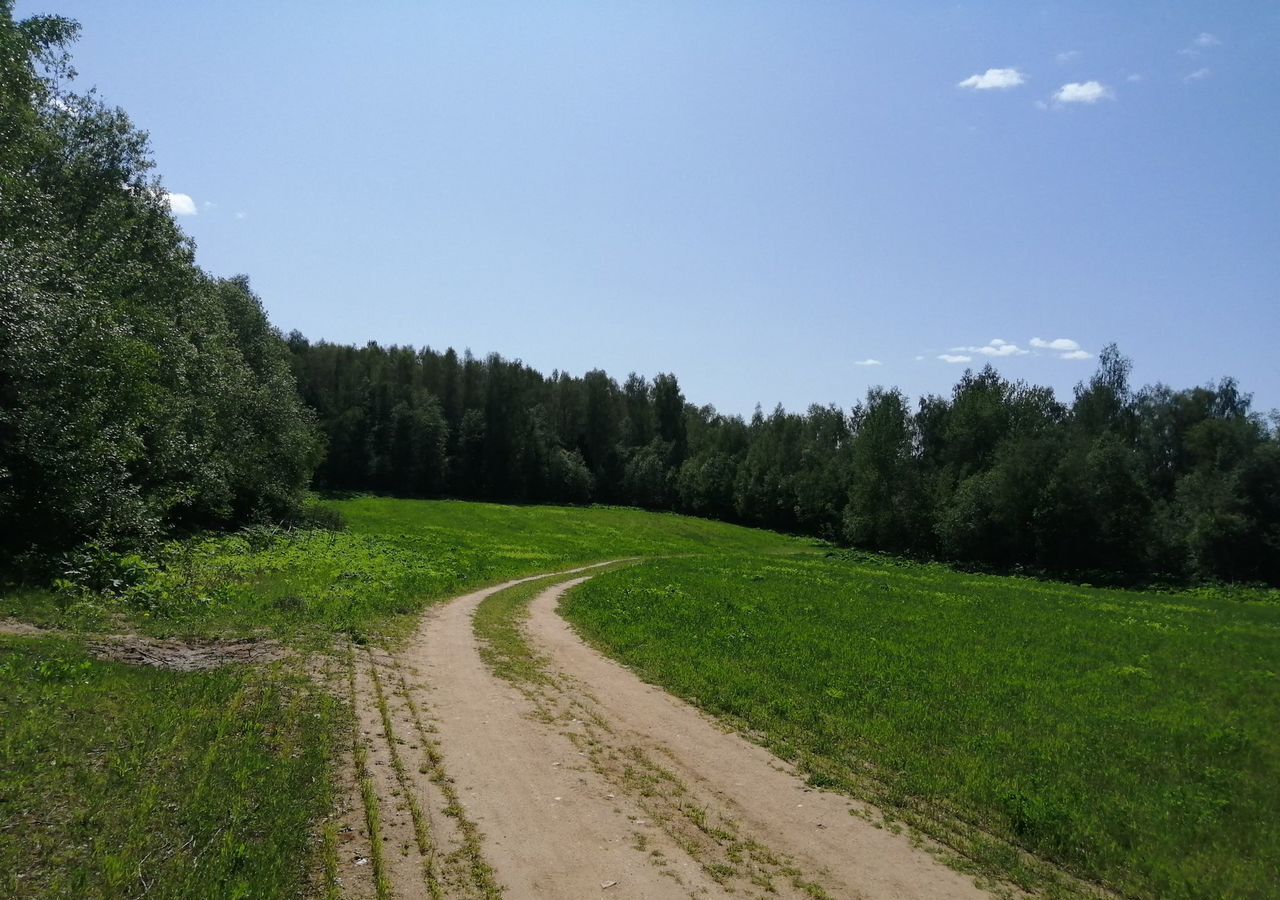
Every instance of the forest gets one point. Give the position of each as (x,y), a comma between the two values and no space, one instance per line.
(141,396)
(1118,483)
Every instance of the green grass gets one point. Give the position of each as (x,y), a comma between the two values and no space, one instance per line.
(395,559)
(498,622)
(118,781)
(1130,738)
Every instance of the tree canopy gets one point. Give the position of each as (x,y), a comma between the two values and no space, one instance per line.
(137,393)
(1117,483)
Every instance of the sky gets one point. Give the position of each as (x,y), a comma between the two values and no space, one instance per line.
(781,202)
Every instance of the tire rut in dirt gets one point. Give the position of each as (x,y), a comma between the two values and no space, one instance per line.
(757,808)
(553,827)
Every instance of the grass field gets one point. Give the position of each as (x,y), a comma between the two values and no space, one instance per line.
(1131,738)
(395,559)
(119,781)
(124,781)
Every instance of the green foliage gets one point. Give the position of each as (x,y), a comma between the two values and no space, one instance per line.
(121,781)
(1119,486)
(1128,737)
(394,559)
(137,394)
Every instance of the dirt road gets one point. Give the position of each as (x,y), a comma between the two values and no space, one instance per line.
(584,783)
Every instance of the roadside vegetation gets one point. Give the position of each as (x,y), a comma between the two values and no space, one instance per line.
(1128,737)
(124,781)
(392,559)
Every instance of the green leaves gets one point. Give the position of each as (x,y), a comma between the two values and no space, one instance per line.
(136,393)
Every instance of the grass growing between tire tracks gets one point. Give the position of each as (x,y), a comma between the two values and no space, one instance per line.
(714,842)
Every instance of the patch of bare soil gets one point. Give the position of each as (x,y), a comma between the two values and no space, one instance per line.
(178,656)
(184,656)
(21,629)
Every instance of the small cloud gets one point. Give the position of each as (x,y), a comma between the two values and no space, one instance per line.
(1203,41)
(994,347)
(1067,56)
(1198,75)
(918,358)
(181,204)
(208,204)
(993,79)
(1135,77)
(1055,344)
(1082,92)
(242,215)
(1040,104)
(867,362)
(953,358)
(1064,348)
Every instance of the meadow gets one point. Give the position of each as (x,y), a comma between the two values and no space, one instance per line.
(1130,739)
(394,558)
(1044,731)
(118,780)
(121,780)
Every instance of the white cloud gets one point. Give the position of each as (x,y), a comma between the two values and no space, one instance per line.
(1198,75)
(1082,92)
(1203,41)
(1067,55)
(994,347)
(1055,344)
(1064,348)
(1134,77)
(242,215)
(918,358)
(181,204)
(867,362)
(993,79)
(953,358)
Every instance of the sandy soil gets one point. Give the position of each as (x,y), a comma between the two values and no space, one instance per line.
(589,784)
(824,835)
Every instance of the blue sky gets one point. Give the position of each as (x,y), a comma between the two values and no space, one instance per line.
(760,197)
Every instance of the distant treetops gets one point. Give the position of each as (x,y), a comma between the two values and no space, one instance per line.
(1117,483)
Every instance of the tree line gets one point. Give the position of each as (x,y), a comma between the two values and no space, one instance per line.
(137,394)
(1118,482)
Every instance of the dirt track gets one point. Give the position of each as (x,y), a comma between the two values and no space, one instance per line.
(591,783)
